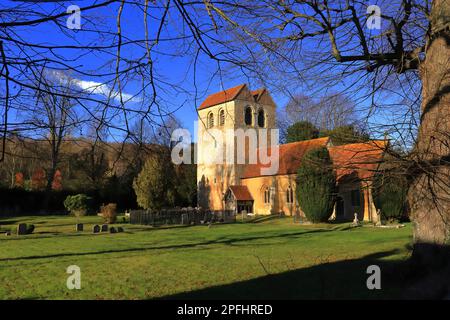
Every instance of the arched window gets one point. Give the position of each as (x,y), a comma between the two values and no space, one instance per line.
(221,117)
(261,119)
(210,120)
(267,195)
(248,116)
(289,195)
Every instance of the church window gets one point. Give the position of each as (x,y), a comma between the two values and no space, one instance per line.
(248,116)
(289,195)
(266,195)
(210,120)
(355,198)
(221,117)
(261,119)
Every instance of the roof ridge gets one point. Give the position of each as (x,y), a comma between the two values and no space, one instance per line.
(283,144)
(222,96)
(359,143)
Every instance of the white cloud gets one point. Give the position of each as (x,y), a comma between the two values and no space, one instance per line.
(104,90)
(94,87)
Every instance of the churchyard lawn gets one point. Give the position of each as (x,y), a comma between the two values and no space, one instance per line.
(273,258)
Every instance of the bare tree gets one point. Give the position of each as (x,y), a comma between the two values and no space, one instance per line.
(53,117)
(325,113)
(284,44)
(327,44)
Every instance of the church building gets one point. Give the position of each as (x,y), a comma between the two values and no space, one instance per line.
(241,186)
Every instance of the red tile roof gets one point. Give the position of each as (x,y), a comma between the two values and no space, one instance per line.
(359,159)
(221,97)
(241,193)
(290,156)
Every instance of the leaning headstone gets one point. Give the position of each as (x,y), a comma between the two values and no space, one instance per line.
(112,230)
(79,227)
(119,229)
(96,229)
(22,229)
(104,228)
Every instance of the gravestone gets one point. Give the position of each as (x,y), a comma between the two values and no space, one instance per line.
(79,227)
(96,229)
(104,228)
(112,230)
(7,233)
(378,218)
(119,229)
(355,220)
(22,229)
(184,218)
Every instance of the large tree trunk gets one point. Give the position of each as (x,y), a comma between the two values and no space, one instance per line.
(429,196)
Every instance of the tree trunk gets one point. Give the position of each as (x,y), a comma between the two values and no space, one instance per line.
(429,195)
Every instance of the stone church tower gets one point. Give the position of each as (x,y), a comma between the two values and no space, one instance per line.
(219,116)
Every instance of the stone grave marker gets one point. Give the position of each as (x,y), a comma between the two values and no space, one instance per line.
(96,229)
(22,229)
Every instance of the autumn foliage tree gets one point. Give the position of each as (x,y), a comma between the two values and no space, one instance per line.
(38,179)
(19,180)
(57,181)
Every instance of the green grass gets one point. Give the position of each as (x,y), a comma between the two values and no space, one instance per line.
(272,258)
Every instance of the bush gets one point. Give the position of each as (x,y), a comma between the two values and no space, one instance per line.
(77,204)
(300,131)
(390,195)
(316,183)
(109,212)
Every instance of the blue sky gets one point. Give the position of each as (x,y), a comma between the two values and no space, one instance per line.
(170,66)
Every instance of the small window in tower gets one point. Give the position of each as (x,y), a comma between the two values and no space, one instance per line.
(248,116)
(211,120)
(221,117)
(261,120)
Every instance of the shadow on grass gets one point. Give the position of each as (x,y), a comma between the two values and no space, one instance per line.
(338,280)
(220,241)
(426,275)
